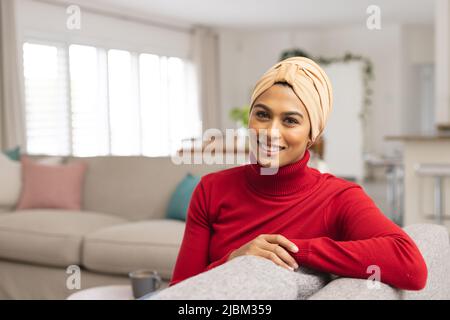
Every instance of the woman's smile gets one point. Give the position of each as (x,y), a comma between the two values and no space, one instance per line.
(270,149)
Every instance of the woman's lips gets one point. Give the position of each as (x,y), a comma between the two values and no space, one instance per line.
(270,149)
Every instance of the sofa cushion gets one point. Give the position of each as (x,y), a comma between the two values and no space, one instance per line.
(51,186)
(13,154)
(151,244)
(180,199)
(49,237)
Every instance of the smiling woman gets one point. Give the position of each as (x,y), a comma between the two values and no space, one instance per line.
(285,120)
(296,216)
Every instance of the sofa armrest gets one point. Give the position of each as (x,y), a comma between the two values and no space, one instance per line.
(246,278)
(251,277)
(355,289)
(433,242)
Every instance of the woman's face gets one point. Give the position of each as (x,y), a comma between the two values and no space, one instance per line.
(281,124)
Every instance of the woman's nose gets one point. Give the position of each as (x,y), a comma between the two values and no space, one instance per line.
(275,129)
(271,133)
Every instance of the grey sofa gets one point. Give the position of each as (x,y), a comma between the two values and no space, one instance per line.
(121,228)
(255,278)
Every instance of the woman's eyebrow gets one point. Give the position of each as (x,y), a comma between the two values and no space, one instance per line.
(288,113)
(293,113)
(262,106)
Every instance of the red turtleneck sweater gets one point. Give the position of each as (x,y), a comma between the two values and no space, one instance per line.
(336,226)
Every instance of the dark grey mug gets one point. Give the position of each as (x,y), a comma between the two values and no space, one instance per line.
(144,282)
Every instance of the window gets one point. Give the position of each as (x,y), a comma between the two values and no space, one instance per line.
(167,82)
(123,106)
(89,101)
(47,113)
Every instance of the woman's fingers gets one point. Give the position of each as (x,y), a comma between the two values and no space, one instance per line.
(278,244)
(271,246)
(274,257)
(281,253)
(281,240)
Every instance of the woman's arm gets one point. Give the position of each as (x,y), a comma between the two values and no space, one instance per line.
(368,241)
(193,255)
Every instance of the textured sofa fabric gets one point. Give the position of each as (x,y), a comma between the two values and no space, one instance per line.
(433,242)
(355,289)
(250,277)
(135,188)
(125,247)
(48,237)
(247,278)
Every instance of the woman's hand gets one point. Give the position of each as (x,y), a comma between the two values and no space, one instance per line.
(271,246)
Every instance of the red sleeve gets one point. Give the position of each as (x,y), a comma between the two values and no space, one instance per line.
(365,237)
(193,255)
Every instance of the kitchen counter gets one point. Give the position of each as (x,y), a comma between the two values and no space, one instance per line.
(421,137)
(420,149)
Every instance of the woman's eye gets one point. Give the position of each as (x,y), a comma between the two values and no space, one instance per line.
(291,120)
(261,114)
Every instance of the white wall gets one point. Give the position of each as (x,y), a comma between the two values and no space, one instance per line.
(245,55)
(417,52)
(442,56)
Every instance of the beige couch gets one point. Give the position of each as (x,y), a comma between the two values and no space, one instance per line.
(121,228)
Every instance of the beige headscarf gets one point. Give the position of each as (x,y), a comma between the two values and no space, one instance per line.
(310,84)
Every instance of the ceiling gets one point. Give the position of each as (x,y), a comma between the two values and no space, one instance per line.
(267,13)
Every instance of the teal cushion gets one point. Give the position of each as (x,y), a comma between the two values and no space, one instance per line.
(179,202)
(13,154)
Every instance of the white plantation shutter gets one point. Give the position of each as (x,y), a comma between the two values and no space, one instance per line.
(90,101)
(123,103)
(169,106)
(46,98)
(178,109)
(153,98)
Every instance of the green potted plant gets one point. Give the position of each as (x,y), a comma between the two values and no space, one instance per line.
(240,115)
